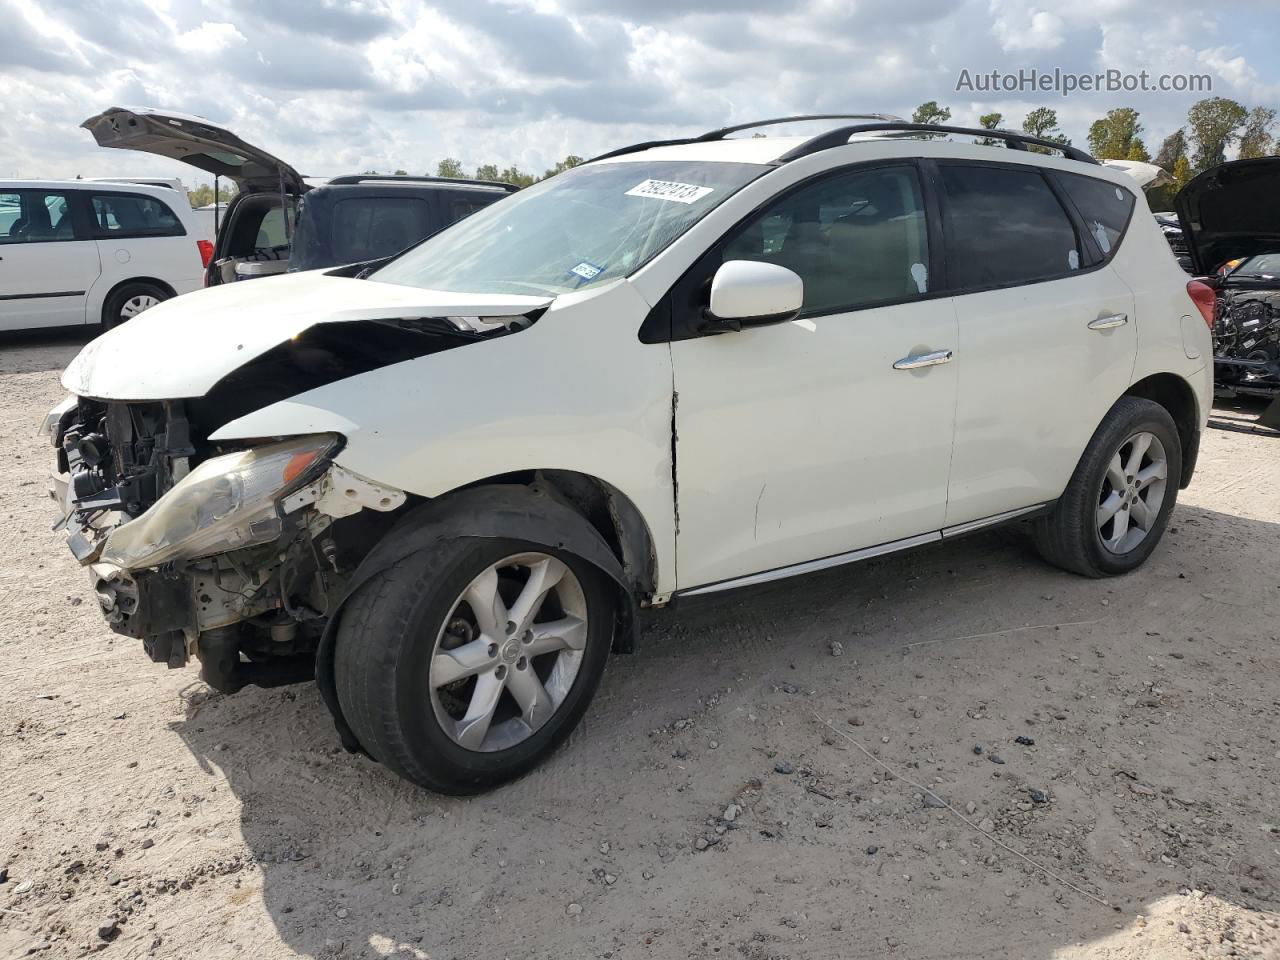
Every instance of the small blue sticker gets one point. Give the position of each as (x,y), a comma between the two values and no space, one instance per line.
(586,270)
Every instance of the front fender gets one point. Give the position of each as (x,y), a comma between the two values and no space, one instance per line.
(509,511)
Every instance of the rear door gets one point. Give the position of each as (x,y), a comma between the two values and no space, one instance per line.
(47,265)
(139,235)
(1047,332)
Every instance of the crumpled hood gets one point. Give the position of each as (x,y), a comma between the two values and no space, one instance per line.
(184,346)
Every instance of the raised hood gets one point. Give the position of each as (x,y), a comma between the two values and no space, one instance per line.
(196,141)
(1230,211)
(184,346)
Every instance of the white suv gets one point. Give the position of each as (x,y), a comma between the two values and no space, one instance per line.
(446,481)
(79,251)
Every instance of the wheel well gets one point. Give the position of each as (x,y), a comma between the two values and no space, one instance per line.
(608,510)
(1175,395)
(153,281)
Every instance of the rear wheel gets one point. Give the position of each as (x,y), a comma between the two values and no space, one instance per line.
(464,665)
(130,300)
(1117,505)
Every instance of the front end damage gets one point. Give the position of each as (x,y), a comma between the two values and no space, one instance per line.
(233,554)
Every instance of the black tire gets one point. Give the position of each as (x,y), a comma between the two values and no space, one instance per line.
(113,310)
(1068,536)
(384,646)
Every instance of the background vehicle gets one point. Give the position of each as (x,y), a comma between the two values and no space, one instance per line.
(368,217)
(80,251)
(373,216)
(446,484)
(1230,216)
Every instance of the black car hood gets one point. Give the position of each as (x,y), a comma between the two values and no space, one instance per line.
(1231,210)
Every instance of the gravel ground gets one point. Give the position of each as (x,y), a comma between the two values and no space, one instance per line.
(725,796)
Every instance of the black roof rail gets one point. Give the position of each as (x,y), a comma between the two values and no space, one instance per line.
(1014,141)
(723,132)
(402,178)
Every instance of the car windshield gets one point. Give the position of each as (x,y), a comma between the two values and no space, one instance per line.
(584,226)
(1265,266)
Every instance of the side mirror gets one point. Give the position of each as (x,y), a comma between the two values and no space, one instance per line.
(749,293)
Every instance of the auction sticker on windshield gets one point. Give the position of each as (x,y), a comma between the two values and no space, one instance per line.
(669,190)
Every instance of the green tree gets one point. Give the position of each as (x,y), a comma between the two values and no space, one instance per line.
(929,112)
(567,163)
(1173,147)
(1181,171)
(1138,151)
(400,173)
(990,121)
(1214,123)
(487,171)
(1113,137)
(1042,122)
(514,174)
(449,167)
(202,195)
(1256,139)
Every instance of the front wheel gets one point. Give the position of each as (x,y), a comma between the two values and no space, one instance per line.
(1117,505)
(464,665)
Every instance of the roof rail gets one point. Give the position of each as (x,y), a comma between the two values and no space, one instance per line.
(401,178)
(723,132)
(1014,141)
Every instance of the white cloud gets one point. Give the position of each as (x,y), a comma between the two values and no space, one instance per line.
(341,85)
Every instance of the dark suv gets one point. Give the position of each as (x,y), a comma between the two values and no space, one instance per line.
(279,221)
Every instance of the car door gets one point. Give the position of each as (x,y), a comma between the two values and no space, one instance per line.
(46,264)
(1048,334)
(807,440)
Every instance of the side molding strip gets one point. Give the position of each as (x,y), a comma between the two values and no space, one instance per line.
(893,546)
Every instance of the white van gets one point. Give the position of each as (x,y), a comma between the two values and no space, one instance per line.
(76,252)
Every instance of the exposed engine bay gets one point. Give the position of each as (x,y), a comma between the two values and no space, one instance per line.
(1246,334)
(234,551)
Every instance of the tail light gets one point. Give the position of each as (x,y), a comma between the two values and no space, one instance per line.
(206,252)
(1204,298)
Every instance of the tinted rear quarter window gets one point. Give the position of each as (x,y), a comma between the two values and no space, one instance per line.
(366,228)
(1004,226)
(1104,207)
(120,215)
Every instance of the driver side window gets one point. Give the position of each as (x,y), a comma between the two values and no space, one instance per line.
(856,239)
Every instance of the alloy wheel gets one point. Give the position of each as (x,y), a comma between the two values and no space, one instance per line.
(508,653)
(1133,491)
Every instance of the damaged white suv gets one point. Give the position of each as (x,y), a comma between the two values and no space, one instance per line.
(445,483)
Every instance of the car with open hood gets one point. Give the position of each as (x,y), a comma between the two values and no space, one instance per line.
(1230,217)
(445,483)
(279,220)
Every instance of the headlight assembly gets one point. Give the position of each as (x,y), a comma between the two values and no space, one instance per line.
(226,503)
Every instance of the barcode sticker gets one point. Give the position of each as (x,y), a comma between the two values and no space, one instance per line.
(669,190)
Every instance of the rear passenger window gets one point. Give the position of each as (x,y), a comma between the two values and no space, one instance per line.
(33,216)
(119,215)
(1004,227)
(368,228)
(461,209)
(1104,207)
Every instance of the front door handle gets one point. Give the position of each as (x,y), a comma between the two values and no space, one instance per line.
(1110,321)
(918,360)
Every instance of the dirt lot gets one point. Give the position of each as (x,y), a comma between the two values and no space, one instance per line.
(703,809)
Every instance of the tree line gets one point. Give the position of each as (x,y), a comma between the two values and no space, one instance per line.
(1213,125)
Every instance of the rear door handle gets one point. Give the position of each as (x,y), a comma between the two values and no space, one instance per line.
(1110,321)
(918,360)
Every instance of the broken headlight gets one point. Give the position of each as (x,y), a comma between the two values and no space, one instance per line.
(226,503)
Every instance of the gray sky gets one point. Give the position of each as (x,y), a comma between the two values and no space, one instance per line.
(336,86)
